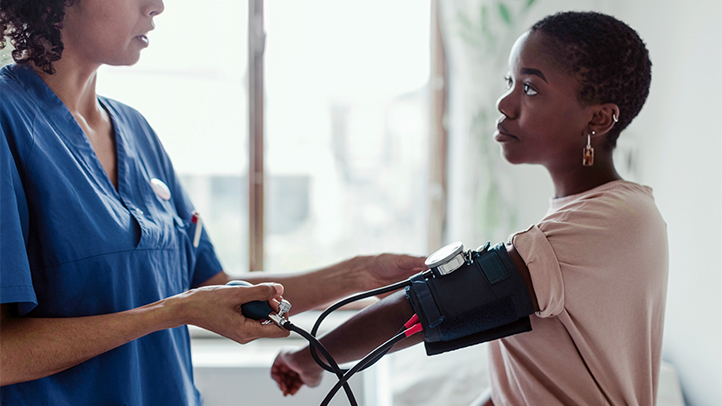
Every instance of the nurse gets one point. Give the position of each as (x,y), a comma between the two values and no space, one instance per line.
(100,267)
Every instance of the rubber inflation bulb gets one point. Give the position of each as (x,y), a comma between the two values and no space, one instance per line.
(257,309)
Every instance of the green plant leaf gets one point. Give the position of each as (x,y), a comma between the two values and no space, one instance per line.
(505,13)
(484,18)
(464,21)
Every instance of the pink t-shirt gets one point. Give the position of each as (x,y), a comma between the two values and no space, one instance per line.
(598,262)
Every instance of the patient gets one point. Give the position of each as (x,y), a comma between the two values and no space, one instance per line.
(595,267)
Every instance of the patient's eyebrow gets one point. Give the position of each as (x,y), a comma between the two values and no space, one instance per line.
(535,72)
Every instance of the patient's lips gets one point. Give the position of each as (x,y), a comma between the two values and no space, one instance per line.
(502,135)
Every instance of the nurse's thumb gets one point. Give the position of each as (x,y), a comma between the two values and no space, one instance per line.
(263,291)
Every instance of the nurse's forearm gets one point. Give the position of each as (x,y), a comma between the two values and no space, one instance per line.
(313,289)
(310,290)
(33,348)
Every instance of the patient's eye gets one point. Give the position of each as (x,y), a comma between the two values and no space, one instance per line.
(509,82)
(528,90)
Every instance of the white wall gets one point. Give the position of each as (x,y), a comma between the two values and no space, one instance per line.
(680,138)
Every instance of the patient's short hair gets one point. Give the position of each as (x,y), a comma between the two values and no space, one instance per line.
(607,56)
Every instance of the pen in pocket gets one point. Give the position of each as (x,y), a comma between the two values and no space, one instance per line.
(198,221)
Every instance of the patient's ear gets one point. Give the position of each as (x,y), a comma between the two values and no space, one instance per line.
(605,117)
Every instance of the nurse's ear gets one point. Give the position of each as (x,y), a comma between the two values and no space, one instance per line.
(604,117)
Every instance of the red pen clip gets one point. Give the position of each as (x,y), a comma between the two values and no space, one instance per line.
(198,221)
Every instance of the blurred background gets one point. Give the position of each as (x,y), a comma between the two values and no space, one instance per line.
(374,128)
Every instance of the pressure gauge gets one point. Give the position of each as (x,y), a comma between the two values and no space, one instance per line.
(446,259)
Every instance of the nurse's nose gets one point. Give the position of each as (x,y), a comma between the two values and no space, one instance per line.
(154,8)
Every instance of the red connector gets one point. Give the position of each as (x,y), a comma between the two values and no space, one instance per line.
(413,330)
(413,326)
(413,320)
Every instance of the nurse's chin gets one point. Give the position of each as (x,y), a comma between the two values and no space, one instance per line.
(125,61)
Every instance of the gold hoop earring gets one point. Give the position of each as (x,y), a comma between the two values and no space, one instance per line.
(588,151)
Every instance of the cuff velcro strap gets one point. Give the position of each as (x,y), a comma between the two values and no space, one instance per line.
(426,301)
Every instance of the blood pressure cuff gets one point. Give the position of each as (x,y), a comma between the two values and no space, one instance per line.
(485,299)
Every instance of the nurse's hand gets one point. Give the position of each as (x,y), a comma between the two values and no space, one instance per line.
(385,269)
(218,309)
(291,374)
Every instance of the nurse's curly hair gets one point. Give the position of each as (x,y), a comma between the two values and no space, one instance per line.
(607,56)
(33,29)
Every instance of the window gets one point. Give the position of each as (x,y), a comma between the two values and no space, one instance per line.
(345,118)
(346,129)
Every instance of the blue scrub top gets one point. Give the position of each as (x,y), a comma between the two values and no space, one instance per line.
(72,245)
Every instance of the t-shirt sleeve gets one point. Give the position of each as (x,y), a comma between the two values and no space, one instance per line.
(575,249)
(15,277)
(538,254)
